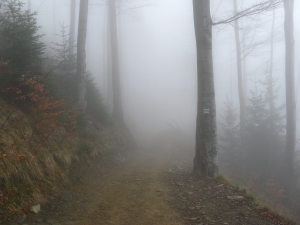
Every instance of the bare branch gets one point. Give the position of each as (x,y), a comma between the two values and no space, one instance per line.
(252,10)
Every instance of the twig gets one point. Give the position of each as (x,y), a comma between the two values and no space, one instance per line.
(55,67)
(252,10)
(295,203)
(7,118)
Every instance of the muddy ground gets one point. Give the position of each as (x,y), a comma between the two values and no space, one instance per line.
(148,188)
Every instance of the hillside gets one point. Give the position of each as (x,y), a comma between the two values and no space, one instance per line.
(32,165)
(153,187)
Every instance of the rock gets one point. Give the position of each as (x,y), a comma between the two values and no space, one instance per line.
(236,197)
(35,208)
(67,196)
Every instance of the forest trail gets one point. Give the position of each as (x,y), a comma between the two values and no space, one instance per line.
(148,188)
(117,190)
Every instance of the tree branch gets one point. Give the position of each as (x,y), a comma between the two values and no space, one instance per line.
(252,10)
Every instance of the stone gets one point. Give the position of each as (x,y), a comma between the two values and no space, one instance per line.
(35,208)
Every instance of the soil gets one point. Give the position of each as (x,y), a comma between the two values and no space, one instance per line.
(148,188)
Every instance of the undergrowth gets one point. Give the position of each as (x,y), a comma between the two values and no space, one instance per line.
(266,203)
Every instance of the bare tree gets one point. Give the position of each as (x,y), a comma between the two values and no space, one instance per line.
(205,160)
(290,89)
(255,9)
(271,88)
(240,79)
(109,90)
(81,54)
(72,26)
(54,20)
(29,4)
(116,84)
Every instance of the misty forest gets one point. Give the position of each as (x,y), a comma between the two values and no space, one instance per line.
(149,112)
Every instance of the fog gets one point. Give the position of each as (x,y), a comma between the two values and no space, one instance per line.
(158,57)
(253,143)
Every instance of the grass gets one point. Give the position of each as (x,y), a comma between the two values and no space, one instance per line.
(30,168)
(261,201)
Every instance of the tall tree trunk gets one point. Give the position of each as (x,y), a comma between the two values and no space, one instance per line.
(109,90)
(116,85)
(205,160)
(29,4)
(81,54)
(245,84)
(240,85)
(54,21)
(72,26)
(290,89)
(104,55)
(271,88)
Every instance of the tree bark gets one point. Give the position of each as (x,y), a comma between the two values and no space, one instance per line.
(290,88)
(29,4)
(271,88)
(54,21)
(109,88)
(116,85)
(72,26)
(81,54)
(240,85)
(205,160)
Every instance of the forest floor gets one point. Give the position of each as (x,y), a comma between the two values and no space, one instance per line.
(148,188)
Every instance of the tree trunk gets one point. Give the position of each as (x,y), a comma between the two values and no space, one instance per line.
(81,55)
(290,89)
(271,100)
(109,88)
(29,4)
(72,26)
(240,85)
(54,21)
(205,160)
(245,80)
(116,85)
(271,88)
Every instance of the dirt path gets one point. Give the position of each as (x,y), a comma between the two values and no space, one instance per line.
(147,189)
(125,191)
